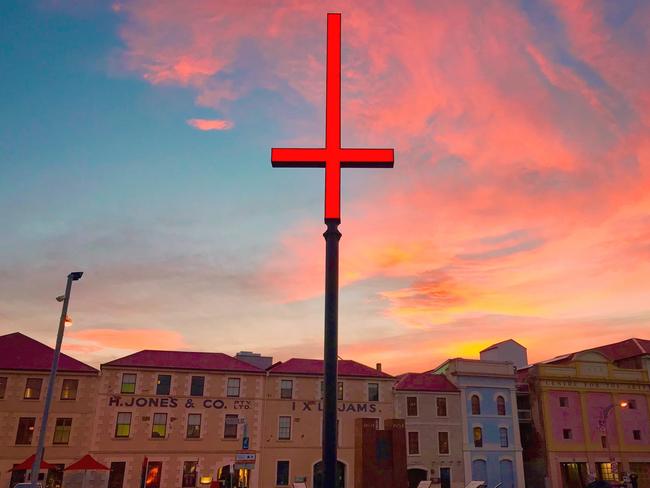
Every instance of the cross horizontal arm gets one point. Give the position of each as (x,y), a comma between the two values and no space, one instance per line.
(298,157)
(367,158)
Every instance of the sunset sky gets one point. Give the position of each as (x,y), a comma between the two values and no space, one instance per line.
(135,145)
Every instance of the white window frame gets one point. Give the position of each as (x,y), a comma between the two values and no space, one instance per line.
(280,417)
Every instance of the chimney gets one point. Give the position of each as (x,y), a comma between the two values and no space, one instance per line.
(379,367)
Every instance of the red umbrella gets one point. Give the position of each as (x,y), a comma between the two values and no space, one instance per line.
(27,464)
(86,463)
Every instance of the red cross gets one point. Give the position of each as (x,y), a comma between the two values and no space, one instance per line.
(332,157)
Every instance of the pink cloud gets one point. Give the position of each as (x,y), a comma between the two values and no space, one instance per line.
(210,124)
(129,339)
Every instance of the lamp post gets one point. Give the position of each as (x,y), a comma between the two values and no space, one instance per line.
(603,426)
(75,276)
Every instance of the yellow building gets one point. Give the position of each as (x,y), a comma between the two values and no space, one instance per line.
(24,369)
(291,437)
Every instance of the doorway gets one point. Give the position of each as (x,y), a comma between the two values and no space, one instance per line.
(415,475)
(574,475)
(154,473)
(318,474)
(445,477)
(116,475)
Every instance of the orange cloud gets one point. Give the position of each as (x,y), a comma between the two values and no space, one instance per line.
(129,339)
(211,124)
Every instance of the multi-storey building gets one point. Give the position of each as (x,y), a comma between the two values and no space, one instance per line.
(491,442)
(292,436)
(178,418)
(430,405)
(24,369)
(589,417)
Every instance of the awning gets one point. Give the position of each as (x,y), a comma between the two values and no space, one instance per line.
(87,463)
(27,464)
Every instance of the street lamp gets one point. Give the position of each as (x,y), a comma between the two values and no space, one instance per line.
(603,426)
(75,276)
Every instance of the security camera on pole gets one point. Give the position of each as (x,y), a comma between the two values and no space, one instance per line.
(75,276)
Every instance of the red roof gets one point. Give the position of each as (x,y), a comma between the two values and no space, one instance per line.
(205,361)
(625,349)
(346,367)
(425,382)
(19,352)
(87,463)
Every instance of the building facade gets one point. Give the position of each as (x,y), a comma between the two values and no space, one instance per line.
(590,417)
(292,434)
(24,369)
(492,449)
(430,405)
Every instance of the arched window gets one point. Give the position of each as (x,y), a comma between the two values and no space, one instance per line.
(478,437)
(476,405)
(501,405)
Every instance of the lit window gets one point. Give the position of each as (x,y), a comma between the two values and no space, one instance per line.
(441,407)
(476,405)
(501,406)
(567,434)
(373,392)
(233,387)
(411,406)
(230,427)
(69,389)
(443,442)
(197,386)
(339,391)
(164,384)
(194,426)
(3,386)
(414,442)
(189,474)
(503,437)
(62,431)
(25,430)
(478,437)
(33,388)
(284,428)
(286,389)
(123,424)
(128,383)
(282,473)
(159,426)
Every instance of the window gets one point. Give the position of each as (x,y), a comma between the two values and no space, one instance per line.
(339,391)
(501,405)
(373,392)
(128,383)
(414,442)
(197,386)
(631,404)
(69,389)
(503,436)
(443,442)
(441,407)
(233,387)
(606,472)
(636,434)
(476,405)
(478,437)
(194,426)
(33,388)
(603,441)
(282,473)
(116,475)
(3,386)
(284,428)
(230,426)
(154,473)
(25,430)
(159,426)
(567,434)
(564,401)
(62,431)
(123,424)
(189,472)
(411,406)
(286,389)
(164,384)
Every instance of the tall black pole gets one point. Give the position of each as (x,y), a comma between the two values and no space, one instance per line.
(332,237)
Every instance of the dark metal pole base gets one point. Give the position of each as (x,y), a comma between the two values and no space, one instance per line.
(332,237)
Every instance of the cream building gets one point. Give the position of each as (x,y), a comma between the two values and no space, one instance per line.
(24,369)
(430,405)
(291,436)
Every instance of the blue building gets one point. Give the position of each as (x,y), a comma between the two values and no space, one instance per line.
(491,443)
